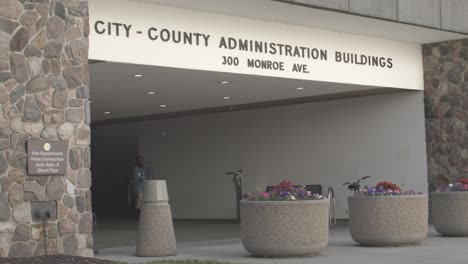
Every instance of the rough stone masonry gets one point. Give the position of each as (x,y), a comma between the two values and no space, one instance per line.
(446,107)
(44,94)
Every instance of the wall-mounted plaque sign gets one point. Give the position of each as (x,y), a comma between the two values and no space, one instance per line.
(47,157)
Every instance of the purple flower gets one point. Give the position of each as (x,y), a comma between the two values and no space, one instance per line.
(381,191)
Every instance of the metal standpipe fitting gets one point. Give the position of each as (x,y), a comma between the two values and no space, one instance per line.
(156,230)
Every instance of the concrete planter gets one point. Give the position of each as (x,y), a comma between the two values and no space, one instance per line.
(284,228)
(388,220)
(450,213)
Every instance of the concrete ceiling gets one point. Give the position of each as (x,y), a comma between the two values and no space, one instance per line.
(114,89)
(315,18)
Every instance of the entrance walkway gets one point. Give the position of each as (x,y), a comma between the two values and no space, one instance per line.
(123,233)
(194,243)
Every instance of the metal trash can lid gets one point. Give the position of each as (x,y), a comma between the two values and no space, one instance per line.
(155,191)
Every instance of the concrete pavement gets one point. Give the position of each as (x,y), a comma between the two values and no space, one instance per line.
(342,249)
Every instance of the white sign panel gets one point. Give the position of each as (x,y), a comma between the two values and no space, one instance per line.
(143,33)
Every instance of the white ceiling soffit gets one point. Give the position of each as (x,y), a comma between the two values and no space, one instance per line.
(315,18)
(115,90)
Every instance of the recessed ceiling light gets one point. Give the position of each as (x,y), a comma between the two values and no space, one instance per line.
(224,82)
(300,88)
(163,105)
(227,97)
(151,92)
(137,75)
(107,113)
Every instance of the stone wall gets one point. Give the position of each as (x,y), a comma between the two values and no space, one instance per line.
(44,94)
(446,107)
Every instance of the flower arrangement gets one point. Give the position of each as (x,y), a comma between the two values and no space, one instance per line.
(384,188)
(386,185)
(460,185)
(285,191)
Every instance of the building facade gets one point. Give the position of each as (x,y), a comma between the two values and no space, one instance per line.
(45,94)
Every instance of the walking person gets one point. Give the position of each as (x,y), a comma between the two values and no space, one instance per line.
(140,173)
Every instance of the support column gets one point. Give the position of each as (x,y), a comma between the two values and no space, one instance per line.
(44,94)
(446,108)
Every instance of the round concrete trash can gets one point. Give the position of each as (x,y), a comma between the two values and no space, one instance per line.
(388,220)
(450,213)
(156,231)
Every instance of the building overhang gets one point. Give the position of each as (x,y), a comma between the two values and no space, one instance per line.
(358,56)
(286,13)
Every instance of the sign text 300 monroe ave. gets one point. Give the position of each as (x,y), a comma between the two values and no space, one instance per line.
(190,39)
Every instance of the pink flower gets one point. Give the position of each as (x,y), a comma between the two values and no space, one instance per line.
(409,192)
(265,195)
(464,182)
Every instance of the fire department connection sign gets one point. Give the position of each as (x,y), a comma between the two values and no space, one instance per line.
(47,157)
(151,34)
